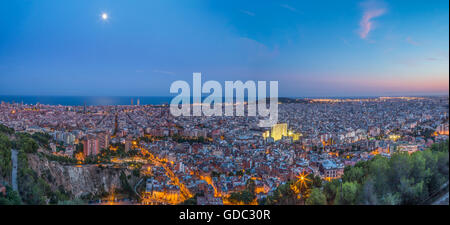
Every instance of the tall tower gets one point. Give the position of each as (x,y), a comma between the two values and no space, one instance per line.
(138,102)
(131,101)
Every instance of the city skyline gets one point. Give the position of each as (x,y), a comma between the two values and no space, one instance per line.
(316,146)
(104,48)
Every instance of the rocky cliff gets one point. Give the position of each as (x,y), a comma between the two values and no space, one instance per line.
(77,180)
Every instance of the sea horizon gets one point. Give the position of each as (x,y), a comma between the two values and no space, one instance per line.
(68,100)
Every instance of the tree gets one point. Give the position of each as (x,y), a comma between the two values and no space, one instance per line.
(215,174)
(6,130)
(330,189)
(190,201)
(348,194)
(411,192)
(11,198)
(379,170)
(76,201)
(402,179)
(244,196)
(28,145)
(136,172)
(5,156)
(283,195)
(353,174)
(42,138)
(368,195)
(316,180)
(317,197)
(251,186)
(390,199)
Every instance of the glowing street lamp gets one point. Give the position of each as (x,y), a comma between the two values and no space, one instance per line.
(302,179)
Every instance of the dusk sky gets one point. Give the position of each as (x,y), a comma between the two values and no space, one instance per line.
(313,48)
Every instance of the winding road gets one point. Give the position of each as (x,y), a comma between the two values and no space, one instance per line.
(14,169)
(442,200)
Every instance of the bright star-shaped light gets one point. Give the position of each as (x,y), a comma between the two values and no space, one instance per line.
(104,16)
(302,179)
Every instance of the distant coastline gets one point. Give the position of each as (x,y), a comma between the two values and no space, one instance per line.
(133,100)
(87,100)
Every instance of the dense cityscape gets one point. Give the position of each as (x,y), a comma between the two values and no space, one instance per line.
(200,112)
(141,154)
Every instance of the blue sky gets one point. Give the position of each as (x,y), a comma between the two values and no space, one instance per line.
(320,48)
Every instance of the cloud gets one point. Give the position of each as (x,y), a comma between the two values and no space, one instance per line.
(371,11)
(411,41)
(164,72)
(286,6)
(248,12)
(440,56)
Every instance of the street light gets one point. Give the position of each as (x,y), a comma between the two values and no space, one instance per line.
(302,178)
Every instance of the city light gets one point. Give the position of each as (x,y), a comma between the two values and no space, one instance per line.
(302,179)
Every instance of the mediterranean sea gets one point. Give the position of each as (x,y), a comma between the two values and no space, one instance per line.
(88,100)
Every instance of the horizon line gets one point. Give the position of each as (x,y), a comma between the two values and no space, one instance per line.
(305,96)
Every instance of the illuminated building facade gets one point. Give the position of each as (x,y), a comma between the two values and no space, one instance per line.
(103,140)
(410,148)
(394,137)
(278,131)
(128,143)
(443,129)
(91,146)
(266,134)
(330,170)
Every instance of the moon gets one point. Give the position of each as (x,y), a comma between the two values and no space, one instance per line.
(104,16)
